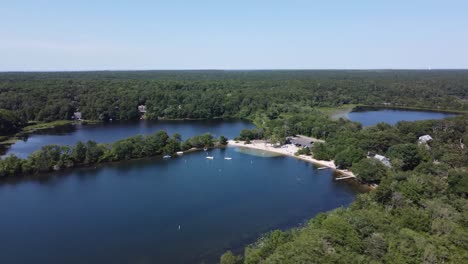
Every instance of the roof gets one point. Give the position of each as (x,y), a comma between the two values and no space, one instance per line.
(77,115)
(425,138)
(385,161)
(142,108)
(302,140)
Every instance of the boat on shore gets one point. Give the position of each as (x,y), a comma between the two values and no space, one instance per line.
(180,153)
(166,156)
(322,168)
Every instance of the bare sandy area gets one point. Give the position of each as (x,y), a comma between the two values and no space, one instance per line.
(288,150)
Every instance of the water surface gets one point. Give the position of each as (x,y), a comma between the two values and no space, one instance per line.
(110,132)
(393,116)
(182,210)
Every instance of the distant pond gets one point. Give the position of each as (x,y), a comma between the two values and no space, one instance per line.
(372,117)
(110,132)
(187,209)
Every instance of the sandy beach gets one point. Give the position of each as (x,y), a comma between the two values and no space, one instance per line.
(287,150)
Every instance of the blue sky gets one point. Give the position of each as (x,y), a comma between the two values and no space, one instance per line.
(43,35)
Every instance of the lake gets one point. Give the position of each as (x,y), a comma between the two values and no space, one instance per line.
(393,116)
(110,132)
(186,209)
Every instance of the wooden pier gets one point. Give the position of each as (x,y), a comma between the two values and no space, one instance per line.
(345,177)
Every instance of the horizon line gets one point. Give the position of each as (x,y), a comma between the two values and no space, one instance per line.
(239,69)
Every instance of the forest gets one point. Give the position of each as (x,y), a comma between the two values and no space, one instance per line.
(417,214)
(225,94)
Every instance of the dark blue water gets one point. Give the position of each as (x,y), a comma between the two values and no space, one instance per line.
(130,212)
(106,133)
(392,116)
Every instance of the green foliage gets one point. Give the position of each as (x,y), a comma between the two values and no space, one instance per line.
(229,258)
(201,141)
(250,134)
(322,152)
(223,140)
(265,246)
(417,214)
(458,181)
(303,151)
(346,158)
(54,157)
(11,165)
(227,94)
(405,156)
(370,170)
(10,122)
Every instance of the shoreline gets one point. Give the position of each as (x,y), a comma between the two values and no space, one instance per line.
(288,150)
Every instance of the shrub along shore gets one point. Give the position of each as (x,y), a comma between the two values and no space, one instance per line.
(55,157)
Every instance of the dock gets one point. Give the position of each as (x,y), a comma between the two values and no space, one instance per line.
(345,177)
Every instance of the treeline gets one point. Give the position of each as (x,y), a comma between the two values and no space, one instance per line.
(10,122)
(228,94)
(55,157)
(348,143)
(417,214)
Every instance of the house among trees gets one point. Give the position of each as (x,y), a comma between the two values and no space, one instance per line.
(142,108)
(300,141)
(424,139)
(385,161)
(77,116)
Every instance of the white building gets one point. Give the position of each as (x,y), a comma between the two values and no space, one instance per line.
(77,116)
(385,161)
(424,139)
(142,108)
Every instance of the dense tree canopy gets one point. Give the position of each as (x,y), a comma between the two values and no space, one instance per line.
(208,94)
(10,122)
(418,214)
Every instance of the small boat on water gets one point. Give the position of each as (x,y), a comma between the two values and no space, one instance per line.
(227,158)
(322,168)
(210,157)
(180,153)
(205,149)
(166,156)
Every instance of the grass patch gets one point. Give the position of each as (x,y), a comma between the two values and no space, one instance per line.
(35,126)
(338,111)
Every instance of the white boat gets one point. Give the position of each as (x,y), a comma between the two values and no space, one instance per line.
(322,168)
(227,158)
(205,149)
(180,153)
(210,157)
(166,156)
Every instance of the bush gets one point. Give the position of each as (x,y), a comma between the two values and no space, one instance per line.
(370,170)
(346,158)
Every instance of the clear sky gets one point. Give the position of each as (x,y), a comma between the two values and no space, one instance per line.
(239,34)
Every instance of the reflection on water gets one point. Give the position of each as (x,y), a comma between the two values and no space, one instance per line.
(393,116)
(110,132)
(130,212)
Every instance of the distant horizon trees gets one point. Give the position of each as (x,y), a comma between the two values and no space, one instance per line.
(225,94)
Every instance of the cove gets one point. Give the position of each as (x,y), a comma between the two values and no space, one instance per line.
(110,132)
(187,209)
(393,116)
